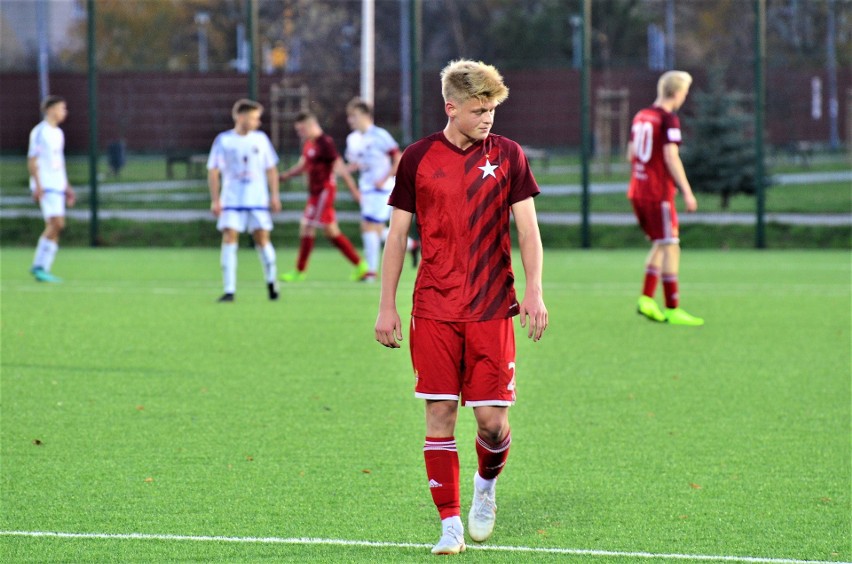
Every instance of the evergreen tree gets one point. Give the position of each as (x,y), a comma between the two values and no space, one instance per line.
(719,155)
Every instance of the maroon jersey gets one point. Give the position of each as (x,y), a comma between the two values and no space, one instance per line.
(462,201)
(650,179)
(320,154)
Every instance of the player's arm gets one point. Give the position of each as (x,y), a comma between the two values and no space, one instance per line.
(395,156)
(340,169)
(629,152)
(32,167)
(294,170)
(274,194)
(671,155)
(532,255)
(214,178)
(388,324)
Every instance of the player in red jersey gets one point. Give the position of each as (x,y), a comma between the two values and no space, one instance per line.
(462,183)
(321,161)
(656,174)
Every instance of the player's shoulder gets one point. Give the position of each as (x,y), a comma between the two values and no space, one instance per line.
(506,145)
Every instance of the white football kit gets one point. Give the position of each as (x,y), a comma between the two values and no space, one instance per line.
(243,161)
(372,151)
(47,146)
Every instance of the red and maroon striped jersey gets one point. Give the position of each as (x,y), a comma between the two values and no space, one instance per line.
(320,154)
(650,179)
(461,201)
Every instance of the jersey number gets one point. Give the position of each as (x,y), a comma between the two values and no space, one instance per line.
(643,140)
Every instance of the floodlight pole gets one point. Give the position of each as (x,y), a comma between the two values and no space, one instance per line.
(251,31)
(585,119)
(368,49)
(416,60)
(93,122)
(405,70)
(759,110)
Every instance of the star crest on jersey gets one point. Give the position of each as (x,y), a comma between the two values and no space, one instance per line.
(488,169)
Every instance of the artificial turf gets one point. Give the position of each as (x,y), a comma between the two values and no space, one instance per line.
(132,403)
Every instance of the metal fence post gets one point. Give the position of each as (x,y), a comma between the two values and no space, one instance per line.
(93,122)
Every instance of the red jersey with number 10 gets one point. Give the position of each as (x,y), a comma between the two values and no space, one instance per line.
(650,179)
(461,200)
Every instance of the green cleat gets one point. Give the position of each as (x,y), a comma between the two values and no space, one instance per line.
(649,308)
(678,316)
(42,275)
(294,276)
(360,271)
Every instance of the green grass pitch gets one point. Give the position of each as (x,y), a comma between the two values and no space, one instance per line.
(132,403)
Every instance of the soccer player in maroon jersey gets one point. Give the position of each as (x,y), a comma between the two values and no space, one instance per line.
(656,173)
(461,185)
(321,161)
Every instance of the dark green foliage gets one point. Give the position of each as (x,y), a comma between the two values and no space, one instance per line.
(719,154)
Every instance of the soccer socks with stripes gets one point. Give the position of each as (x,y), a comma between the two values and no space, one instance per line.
(229,267)
(492,456)
(267,259)
(670,290)
(652,276)
(45,253)
(306,245)
(345,246)
(442,470)
(372,249)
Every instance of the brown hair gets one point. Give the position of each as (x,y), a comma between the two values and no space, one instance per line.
(360,105)
(50,101)
(305,116)
(244,105)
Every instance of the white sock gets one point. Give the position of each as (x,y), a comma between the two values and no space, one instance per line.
(229,267)
(267,259)
(410,244)
(41,250)
(454,522)
(482,484)
(372,249)
(51,247)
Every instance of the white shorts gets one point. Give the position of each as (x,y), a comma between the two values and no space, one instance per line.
(52,203)
(242,220)
(374,206)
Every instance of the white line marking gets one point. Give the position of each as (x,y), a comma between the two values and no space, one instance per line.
(378,544)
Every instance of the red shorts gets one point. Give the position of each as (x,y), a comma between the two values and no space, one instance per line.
(319,210)
(474,361)
(657,219)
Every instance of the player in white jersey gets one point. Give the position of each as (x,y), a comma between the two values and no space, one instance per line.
(242,173)
(49,183)
(373,153)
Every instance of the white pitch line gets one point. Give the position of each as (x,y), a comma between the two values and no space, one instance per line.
(380,544)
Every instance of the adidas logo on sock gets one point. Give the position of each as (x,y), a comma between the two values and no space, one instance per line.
(435,484)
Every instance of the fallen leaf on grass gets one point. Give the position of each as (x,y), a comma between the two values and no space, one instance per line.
(542,532)
(37,442)
(825,500)
(149,480)
(694,486)
(367,471)
(250,458)
(684,517)
(140,407)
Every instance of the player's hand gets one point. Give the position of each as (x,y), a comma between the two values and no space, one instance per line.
(37,194)
(389,328)
(216,208)
(70,197)
(275,205)
(691,203)
(283,177)
(533,316)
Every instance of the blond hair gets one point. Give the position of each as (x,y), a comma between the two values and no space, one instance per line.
(244,105)
(465,79)
(673,82)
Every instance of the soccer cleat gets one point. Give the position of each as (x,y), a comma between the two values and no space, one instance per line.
(272,288)
(369,277)
(226,298)
(42,275)
(677,316)
(294,276)
(451,542)
(483,513)
(415,254)
(360,272)
(649,308)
